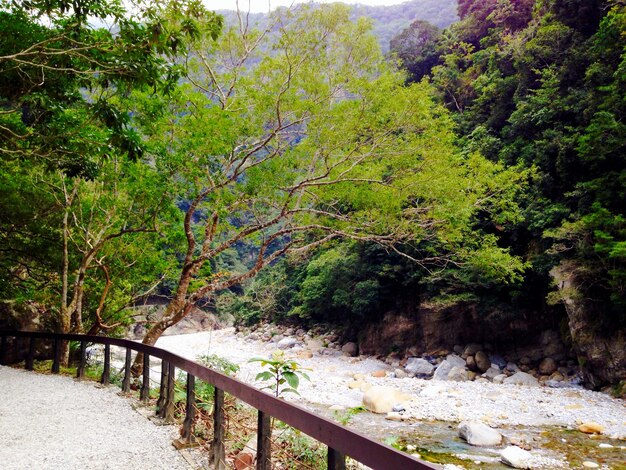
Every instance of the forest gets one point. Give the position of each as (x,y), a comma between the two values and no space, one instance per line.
(296,173)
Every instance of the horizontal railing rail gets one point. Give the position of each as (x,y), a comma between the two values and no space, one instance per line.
(341,441)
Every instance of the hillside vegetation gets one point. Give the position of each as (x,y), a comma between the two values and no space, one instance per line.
(287,170)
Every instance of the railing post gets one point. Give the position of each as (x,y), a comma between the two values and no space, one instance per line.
(3,350)
(80,371)
(218,454)
(126,381)
(186,433)
(168,406)
(160,406)
(336,460)
(56,364)
(144,393)
(106,371)
(30,358)
(264,443)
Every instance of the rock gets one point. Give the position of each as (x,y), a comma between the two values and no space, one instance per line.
(588,464)
(381,399)
(479,434)
(516,457)
(605,446)
(379,373)
(399,374)
(443,369)
(498,360)
(328,352)
(287,343)
(458,374)
(393,416)
(419,367)
(471,375)
(432,391)
(511,367)
(547,366)
(399,408)
(277,338)
(591,428)
(355,384)
(458,349)
(350,349)
(470,363)
(482,361)
(491,373)
(498,379)
(524,361)
(337,408)
(522,378)
(245,459)
(557,376)
(471,349)
(289,332)
(304,354)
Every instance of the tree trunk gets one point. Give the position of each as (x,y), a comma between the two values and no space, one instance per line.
(159,327)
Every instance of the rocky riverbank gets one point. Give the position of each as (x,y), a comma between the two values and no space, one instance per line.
(521,411)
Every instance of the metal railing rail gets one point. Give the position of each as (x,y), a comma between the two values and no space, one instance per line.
(341,441)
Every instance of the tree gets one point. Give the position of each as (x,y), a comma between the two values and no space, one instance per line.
(68,147)
(416,47)
(285,139)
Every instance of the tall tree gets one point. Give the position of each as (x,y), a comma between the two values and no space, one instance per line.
(288,138)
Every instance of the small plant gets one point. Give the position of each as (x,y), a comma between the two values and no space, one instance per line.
(280,372)
(218,363)
(344,417)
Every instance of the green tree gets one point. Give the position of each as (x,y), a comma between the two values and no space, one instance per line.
(319,140)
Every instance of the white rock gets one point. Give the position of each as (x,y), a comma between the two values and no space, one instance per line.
(522,378)
(393,416)
(479,434)
(337,408)
(443,369)
(498,379)
(492,372)
(287,343)
(605,446)
(432,391)
(516,457)
(458,374)
(419,367)
(588,464)
(381,399)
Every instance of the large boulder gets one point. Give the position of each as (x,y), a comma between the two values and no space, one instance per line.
(419,367)
(382,399)
(443,369)
(522,378)
(479,434)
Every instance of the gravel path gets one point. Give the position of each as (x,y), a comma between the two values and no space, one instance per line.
(55,422)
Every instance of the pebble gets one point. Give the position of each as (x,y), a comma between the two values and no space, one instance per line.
(588,464)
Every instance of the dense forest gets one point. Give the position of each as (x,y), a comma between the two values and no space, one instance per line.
(289,170)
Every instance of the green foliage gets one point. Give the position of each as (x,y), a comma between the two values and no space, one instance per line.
(218,363)
(282,374)
(534,84)
(345,416)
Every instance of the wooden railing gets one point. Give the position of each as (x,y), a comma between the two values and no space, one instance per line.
(341,441)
